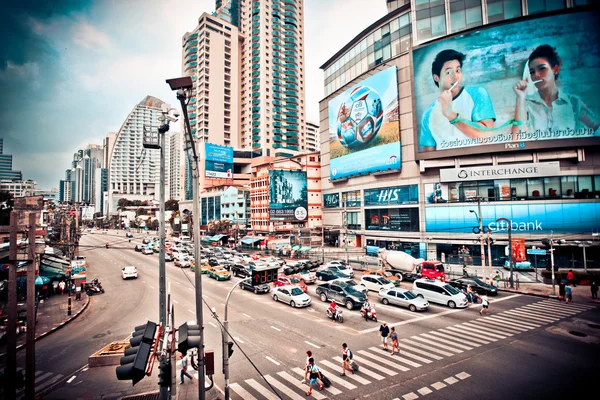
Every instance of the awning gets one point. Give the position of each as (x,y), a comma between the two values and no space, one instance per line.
(216,238)
(305,248)
(296,247)
(249,240)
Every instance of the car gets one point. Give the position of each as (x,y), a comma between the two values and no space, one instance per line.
(147,250)
(291,269)
(129,235)
(240,270)
(328,275)
(183,262)
(146,240)
(247,285)
(307,276)
(351,282)
(476,284)
(138,247)
(343,270)
(89,230)
(384,274)
(204,268)
(403,298)
(129,272)
(168,257)
(219,273)
(292,295)
(292,280)
(439,292)
(341,294)
(375,283)
(104,230)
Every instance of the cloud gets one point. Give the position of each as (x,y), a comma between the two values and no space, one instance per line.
(85,35)
(29,71)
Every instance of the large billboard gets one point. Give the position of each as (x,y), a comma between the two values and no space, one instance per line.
(218,161)
(499,87)
(364,127)
(288,195)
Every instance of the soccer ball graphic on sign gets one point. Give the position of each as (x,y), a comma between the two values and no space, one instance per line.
(359,117)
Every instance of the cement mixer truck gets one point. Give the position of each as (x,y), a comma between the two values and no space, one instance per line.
(405,266)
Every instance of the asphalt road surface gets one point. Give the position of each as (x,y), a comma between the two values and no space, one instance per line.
(525,348)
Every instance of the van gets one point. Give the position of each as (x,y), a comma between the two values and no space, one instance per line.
(433,270)
(439,292)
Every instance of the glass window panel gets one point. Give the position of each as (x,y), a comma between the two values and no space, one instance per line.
(597,183)
(395,48)
(377,35)
(404,20)
(518,189)
(365,64)
(363,44)
(486,190)
(569,186)
(405,44)
(585,184)
(552,186)
(554,5)
(394,25)
(457,21)
(512,9)
(424,29)
(385,30)
(438,25)
(370,40)
(371,60)
(535,187)
(420,4)
(387,52)
(473,16)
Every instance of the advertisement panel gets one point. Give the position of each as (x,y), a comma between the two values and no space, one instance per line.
(288,195)
(581,217)
(493,87)
(364,127)
(87,212)
(518,249)
(331,200)
(218,161)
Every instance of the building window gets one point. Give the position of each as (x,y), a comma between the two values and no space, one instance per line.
(499,10)
(395,219)
(464,14)
(539,6)
(351,199)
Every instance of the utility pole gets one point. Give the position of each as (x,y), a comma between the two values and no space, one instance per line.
(510,260)
(481,238)
(30,350)
(11,335)
(489,245)
(552,263)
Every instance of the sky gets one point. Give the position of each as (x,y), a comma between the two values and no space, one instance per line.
(72,70)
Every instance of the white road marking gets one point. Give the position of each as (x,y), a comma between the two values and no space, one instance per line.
(241,391)
(279,386)
(384,361)
(401,359)
(190,311)
(152,287)
(439,385)
(247,315)
(424,390)
(421,345)
(299,385)
(71,379)
(261,389)
(348,375)
(463,375)
(363,370)
(277,329)
(332,390)
(273,361)
(175,301)
(312,344)
(450,380)
(410,396)
(212,324)
(374,365)
(237,339)
(335,379)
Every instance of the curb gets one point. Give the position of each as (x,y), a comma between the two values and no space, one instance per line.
(549,296)
(60,326)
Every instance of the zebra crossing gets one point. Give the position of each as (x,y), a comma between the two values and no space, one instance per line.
(377,365)
(43,380)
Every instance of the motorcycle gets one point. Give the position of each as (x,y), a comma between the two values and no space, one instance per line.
(338,316)
(94,287)
(369,314)
(472,297)
(107,245)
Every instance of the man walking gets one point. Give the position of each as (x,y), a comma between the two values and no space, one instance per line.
(184,363)
(594,289)
(484,305)
(315,376)
(384,332)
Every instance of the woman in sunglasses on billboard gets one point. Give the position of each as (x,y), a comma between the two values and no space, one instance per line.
(549,113)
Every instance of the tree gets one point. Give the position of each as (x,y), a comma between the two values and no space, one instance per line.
(123,203)
(6,206)
(172,205)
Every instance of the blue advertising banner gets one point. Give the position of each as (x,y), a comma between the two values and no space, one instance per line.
(392,196)
(575,217)
(364,127)
(489,87)
(218,161)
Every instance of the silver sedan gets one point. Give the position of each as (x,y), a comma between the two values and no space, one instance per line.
(403,298)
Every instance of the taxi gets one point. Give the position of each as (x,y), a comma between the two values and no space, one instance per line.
(384,274)
(219,273)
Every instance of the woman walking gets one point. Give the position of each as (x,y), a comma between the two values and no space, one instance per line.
(394,338)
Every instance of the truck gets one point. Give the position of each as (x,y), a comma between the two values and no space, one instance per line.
(405,266)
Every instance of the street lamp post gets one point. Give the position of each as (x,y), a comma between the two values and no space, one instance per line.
(478,215)
(510,261)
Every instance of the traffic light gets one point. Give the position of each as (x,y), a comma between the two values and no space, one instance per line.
(189,337)
(264,275)
(136,357)
(164,374)
(229,349)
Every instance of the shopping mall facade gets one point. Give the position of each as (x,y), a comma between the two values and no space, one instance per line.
(408,165)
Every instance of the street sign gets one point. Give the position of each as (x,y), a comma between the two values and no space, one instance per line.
(536,252)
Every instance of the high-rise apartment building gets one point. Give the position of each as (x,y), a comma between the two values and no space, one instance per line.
(6,171)
(312,137)
(134,172)
(84,177)
(175,147)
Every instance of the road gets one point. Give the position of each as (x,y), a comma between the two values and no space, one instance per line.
(523,349)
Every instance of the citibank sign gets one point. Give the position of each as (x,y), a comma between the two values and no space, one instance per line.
(508,171)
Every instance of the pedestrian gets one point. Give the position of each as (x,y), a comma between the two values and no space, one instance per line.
(497,279)
(183,362)
(594,289)
(561,290)
(308,356)
(384,331)
(464,270)
(485,305)
(55,287)
(394,338)
(315,376)
(61,286)
(571,277)
(568,294)
(346,360)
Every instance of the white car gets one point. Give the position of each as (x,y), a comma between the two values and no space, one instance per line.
(439,292)
(104,230)
(292,295)
(351,282)
(129,272)
(147,250)
(89,230)
(183,262)
(342,269)
(403,298)
(375,283)
(307,276)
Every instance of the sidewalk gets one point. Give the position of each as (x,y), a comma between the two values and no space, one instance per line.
(52,315)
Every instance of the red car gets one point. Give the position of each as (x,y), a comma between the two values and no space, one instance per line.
(292,280)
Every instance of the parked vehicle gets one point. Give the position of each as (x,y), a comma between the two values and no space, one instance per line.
(341,294)
(129,272)
(403,298)
(307,276)
(291,295)
(375,283)
(476,284)
(435,291)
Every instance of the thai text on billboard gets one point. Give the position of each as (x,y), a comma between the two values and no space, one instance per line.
(218,161)
(364,127)
(510,87)
(288,195)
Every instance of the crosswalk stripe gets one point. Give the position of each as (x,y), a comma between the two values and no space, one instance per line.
(490,329)
(241,391)
(413,356)
(455,339)
(545,311)
(523,314)
(385,361)
(295,382)
(39,388)
(433,343)
(462,332)
(563,306)
(424,346)
(42,377)
(282,388)
(504,319)
(337,380)
(557,308)
(364,361)
(331,389)
(447,341)
(351,376)
(546,308)
(511,319)
(399,358)
(267,393)
(364,370)
(486,331)
(583,307)
(501,325)
(404,346)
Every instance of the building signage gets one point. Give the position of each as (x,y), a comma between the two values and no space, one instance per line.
(331,200)
(531,170)
(218,161)
(392,195)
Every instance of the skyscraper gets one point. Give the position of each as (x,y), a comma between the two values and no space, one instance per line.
(6,171)
(175,148)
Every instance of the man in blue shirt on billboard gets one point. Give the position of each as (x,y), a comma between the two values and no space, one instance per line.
(455,117)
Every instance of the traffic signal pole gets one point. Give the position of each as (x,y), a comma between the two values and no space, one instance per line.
(225,338)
